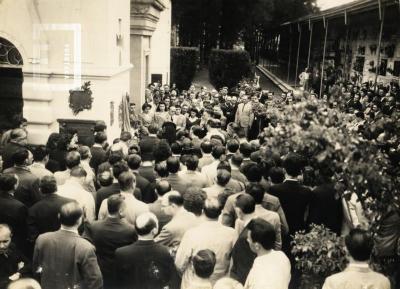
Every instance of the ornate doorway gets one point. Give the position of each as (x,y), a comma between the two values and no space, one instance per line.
(11,79)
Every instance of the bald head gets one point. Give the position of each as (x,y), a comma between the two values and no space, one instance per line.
(146,225)
(24,283)
(162,187)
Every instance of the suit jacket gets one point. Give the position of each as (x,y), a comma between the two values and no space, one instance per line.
(142,184)
(295,199)
(145,265)
(172,233)
(9,265)
(244,114)
(242,257)
(14,213)
(357,277)
(8,152)
(43,216)
(156,209)
(99,156)
(108,235)
(112,189)
(326,208)
(74,264)
(177,183)
(148,173)
(28,189)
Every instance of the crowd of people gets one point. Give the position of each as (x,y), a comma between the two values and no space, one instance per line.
(190,198)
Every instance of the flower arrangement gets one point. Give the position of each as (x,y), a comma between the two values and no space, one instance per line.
(81,99)
(318,254)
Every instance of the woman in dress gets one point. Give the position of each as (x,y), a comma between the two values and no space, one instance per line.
(161,115)
(192,119)
(146,118)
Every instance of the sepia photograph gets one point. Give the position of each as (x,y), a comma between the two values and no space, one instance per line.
(199,144)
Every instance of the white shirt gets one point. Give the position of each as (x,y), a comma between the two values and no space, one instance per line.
(208,235)
(134,208)
(270,271)
(211,171)
(73,190)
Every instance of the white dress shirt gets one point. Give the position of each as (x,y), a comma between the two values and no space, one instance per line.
(270,271)
(134,208)
(208,235)
(73,190)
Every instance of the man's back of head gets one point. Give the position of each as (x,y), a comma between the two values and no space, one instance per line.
(40,153)
(359,244)
(218,152)
(206,147)
(134,161)
(48,185)
(71,214)
(18,135)
(212,208)
(223,177)
(72,159)
(20,157)
(245,203)
(127,181)
(162,187)
(173,165)
(293,164)
(78,173)
(192,163)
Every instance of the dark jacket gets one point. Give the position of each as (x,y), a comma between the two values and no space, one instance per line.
(9,265)
(295,199)
(326,208)
(28,189)
(14,213)
(99,156)
(43,216)
(147,145)
(108,235)
(145,265)
(8,152)
(242,258)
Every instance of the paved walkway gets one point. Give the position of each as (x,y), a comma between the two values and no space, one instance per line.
(201,79)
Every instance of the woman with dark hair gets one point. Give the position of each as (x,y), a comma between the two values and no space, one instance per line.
(168,132)
(146,118)
(51,146)
(161,115)
(66,142)
(192,119)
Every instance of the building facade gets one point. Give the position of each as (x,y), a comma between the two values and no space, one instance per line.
(59,45)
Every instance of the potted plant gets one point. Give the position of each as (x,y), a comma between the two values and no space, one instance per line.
(318,254)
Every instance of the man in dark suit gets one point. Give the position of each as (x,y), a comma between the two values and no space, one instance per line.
(147,143)
(13,264)
(145,264)
(326,205)
(18,140)
(28,184)
(109,234)
(174,179)
(12,211)
(97,151)
(142,183)
(43,216)
(294,197)
(75,264)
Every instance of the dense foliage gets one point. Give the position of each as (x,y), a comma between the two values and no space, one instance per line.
(184,62)
(361,158)
(318,254)
(228,67)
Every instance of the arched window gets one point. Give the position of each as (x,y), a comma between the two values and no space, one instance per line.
(9,54)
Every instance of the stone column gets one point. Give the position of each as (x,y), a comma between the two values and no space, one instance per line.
(144,18)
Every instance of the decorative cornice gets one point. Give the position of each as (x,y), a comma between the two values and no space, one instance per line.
(145,15)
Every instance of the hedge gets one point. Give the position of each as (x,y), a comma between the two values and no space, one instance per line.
(184,61)
(228,67)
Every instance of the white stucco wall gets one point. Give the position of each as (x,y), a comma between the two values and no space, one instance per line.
(50,34)
(160,45)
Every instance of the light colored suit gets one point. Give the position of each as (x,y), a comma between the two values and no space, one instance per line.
(208,235)
(244,114)
(172,233)
(357,276)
